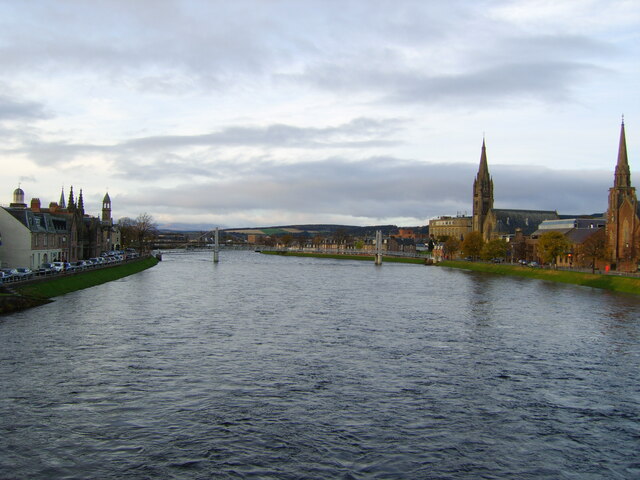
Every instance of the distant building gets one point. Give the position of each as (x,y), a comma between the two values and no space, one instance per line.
(576,230)
(62,232)
(456,227)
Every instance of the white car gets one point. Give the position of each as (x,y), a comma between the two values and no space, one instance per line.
(57,266)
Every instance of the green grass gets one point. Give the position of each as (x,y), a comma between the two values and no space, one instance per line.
(61,285)
(369,258)
(609,282)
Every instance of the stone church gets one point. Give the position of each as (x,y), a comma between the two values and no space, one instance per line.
(500,223)
(623,216)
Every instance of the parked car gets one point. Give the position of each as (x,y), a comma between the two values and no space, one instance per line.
(24,273)
(45,268)
(5,277)
(9,274)
(57,266)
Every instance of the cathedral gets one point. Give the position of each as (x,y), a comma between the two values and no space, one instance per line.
(623,216)
(500,223)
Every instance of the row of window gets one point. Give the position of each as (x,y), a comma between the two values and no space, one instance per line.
(46,240)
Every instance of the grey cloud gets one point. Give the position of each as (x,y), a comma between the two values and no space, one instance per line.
(378,188)
(131,154)
(551,80)
(11,109)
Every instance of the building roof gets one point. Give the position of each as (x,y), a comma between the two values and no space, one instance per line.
(507,221)
(40,222)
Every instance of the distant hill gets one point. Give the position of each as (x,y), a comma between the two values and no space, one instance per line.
(308,229)
(315,229)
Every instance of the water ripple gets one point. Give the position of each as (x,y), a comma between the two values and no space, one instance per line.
(274,367)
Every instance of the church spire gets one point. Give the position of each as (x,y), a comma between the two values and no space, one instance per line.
(483,171)
(62,204)
(482,193)
(71,203)
(623,175)
(81,203)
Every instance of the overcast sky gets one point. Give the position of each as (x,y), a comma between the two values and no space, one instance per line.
(267,112)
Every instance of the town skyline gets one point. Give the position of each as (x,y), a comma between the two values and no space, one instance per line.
(254,115)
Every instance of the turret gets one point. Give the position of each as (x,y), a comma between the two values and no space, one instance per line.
(18,199)
(106,209)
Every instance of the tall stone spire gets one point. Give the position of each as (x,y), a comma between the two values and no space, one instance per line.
(482,192)
(71,204)
(81,203)
(622,175)
(62,203)
(483,171)
(622,215)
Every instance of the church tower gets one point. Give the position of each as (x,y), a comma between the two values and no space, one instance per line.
(106,209)
(622,215)
(482,193)
(62,203)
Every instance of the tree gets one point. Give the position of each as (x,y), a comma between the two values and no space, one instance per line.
(127,234)
(472,245)
(138,232)
(593,248)
(451,247)
(317,240)
(341,237)
(551,245)
(496,248)
(286,239)
(145,230)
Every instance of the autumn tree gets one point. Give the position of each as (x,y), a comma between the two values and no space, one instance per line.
(496,248)
(317,240)
(593,248)
(472,245)
(451,247)
(286,240)
(551,245)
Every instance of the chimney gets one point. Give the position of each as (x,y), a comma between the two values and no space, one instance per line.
(35,205)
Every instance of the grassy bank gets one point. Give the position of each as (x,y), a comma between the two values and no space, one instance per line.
(608,282)
(66,284)
(368,258)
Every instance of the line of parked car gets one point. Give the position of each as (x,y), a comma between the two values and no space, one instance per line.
(51,268)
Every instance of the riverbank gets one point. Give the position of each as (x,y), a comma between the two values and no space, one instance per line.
(40,292)
(614,283)
(368,258)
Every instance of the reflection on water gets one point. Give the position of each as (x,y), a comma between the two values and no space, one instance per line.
(276,367)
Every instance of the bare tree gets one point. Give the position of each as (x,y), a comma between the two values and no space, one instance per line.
(145,230)
(138,232)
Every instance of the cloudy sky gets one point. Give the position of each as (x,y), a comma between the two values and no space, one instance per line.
(271,112)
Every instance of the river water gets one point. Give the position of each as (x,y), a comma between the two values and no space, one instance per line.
(295,368)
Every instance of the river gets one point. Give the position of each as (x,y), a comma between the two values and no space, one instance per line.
(271,367)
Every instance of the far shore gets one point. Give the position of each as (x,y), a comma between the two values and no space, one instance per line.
(612,282)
